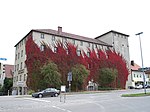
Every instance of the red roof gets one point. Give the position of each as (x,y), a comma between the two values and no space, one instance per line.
(135,67)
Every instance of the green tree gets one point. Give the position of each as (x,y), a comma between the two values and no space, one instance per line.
(107,76)
(79,75)
(51,75)
(8,83)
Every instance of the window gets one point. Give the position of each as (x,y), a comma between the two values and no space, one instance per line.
(73,42)
(53,38)
(92,46)
(42,36)
(21,66)
(17,78)
(89,66)
(25,65)
(55,49)
(18,55)
(24,77)
(20,77)
(17,66)
(134,75)
(67,51)
(64,40)
(95,45)
(42,47)
(21,53)
(88,44)
(81,43)
(79,52)
(88,54)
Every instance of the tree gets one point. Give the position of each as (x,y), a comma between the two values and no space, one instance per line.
(51,75)
(79,75)
(8,83)
(107,76)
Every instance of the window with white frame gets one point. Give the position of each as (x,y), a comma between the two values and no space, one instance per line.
(88,54)
(55,49)
(73,41)
(42,47)
(89,44)
(21,53)
(20,77)
(53,38)
(21,66)
(78,52)
(18,55)
(17,66)
(81,43)
(42,36)
(24,77)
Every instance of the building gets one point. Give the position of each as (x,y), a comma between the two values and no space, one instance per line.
(6,70)
(137,75)
(119,41)
(50,37)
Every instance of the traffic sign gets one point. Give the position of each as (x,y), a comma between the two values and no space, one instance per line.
(69,78)
(3,59)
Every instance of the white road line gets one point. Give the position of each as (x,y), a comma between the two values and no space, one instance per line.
(65,110)
(61,109)
(38,100)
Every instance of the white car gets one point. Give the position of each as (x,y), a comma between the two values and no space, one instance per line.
(138,86)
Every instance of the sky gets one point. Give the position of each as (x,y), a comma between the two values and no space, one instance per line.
(89,18)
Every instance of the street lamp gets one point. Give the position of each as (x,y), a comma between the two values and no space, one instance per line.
(142,59)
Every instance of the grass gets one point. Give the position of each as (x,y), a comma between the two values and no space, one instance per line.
(136,95)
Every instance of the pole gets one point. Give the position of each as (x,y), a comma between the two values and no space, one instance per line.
(69,86)
(142,60)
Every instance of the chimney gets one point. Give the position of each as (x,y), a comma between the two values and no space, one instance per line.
(59,30)
(132,63)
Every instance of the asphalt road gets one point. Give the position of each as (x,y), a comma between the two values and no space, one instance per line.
(94,102)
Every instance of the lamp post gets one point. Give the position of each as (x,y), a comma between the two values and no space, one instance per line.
(142,59)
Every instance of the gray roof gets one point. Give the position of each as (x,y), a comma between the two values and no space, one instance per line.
(67,35)
(72,36)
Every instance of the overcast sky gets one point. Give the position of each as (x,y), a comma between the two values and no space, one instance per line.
(89,18)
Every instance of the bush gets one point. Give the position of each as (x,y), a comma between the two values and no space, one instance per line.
(30,92)
(106,88)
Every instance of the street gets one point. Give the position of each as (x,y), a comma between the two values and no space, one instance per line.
(94,102)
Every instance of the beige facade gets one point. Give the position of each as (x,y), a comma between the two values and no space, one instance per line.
(2,74)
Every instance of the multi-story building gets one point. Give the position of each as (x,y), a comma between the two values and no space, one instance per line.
(5,71)
(50,37)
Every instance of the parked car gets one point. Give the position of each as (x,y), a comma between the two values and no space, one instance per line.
(138,86)
(131,87)
(47,92)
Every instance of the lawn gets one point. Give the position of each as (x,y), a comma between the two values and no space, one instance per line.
(136,95)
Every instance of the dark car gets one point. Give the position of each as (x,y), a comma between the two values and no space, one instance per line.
(47,92)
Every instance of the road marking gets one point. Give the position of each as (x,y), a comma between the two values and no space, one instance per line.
(65,110)
(61,109)
(38,100)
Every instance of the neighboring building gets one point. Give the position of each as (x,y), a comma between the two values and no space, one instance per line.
(5,71)
(148,75)
(137,75)
(50,37)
